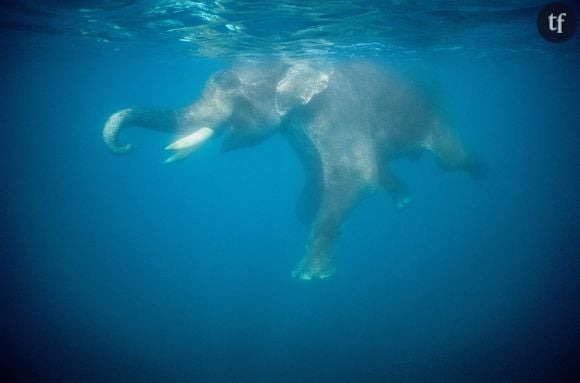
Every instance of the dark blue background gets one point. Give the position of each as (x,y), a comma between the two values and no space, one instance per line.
(123,269)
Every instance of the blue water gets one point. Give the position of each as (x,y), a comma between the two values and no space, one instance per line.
(122,269)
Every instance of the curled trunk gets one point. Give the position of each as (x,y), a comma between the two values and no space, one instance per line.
(158,119)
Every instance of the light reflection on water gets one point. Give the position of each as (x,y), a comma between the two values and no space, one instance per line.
(232,28)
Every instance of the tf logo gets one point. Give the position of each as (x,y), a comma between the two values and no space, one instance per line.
(557,22)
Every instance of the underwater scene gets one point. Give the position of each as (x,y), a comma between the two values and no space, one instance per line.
(301,191)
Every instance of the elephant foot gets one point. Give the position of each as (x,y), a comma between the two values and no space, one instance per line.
(313,268)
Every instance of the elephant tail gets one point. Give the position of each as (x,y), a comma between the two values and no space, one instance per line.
(157,119)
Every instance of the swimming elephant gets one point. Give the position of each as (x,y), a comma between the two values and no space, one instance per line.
(345,120)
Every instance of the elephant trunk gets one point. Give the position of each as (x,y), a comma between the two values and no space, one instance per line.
(157,119)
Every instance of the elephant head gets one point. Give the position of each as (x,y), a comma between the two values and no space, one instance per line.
(246,105)
(345,121)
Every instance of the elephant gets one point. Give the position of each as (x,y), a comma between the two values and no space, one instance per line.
(345,119)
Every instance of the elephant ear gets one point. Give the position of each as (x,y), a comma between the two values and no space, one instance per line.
(300,83)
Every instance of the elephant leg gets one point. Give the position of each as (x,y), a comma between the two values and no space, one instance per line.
(309,201)
(397,189)
(451,154)
(337,202)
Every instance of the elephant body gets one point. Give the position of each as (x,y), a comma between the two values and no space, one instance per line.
(345,120)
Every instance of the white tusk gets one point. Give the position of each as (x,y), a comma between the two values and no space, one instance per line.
(192,141)
(179,155)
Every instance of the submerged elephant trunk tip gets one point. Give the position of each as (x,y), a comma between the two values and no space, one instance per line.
(111,131)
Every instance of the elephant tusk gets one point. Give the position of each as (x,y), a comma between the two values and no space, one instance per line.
(179,155)
(188,144)
(192,141)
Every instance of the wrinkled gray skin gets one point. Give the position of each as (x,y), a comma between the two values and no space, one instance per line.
(345,120)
